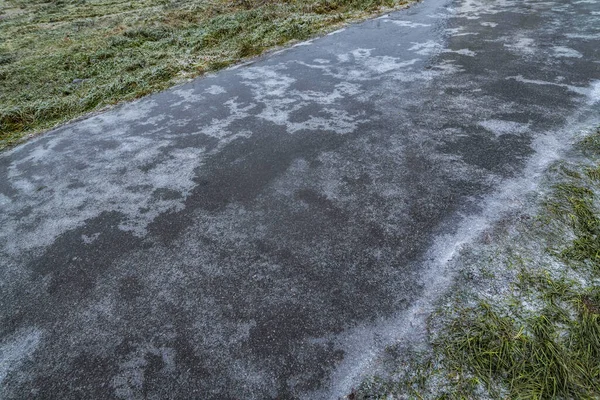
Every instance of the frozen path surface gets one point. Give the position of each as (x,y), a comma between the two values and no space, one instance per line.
(264,232)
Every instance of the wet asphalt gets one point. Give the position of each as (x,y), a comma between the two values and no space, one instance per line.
(255,234)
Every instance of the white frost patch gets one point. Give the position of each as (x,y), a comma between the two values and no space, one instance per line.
(338,121)
(459,31)
(14,351)
(409,24)
(522,46)
(361,54)
(583,36)
(367,66)
(215,89)
(363,344)
(561,51)
(305,43)
(344,57)
(267,81)
(445,67)
(22,185)
(341,90)
(130,378)
(463,52)
(453,31)
(426,48)
(431,47)
(88,239)
(134,111)
(186,96)
(218,127)
(109,180)
(273,89)
(382,64)
(448,67)
(4,199)
(473,9)
(592,92)
(501,127)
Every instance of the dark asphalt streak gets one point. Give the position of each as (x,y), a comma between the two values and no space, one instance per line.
(266,231)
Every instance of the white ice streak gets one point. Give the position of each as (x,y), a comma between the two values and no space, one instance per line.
(218,128)
(408,24)
(501,127)
(109,180)
(591,93)
(566,52)
(431,47)
(187,96)
(521,45)
(426,48)
(215,89)
(273,89)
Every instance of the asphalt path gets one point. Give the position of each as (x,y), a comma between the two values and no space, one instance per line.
(266,231)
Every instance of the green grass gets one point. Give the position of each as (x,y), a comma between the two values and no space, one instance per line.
(541,338)
(60,59)
(549,354)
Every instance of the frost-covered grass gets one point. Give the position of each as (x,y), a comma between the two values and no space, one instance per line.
(529,325)
(62,58)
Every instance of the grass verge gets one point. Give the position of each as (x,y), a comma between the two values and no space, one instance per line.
(531,327)
(60,59)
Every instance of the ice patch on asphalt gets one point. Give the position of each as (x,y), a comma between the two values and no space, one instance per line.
(522,45)
(501,127)
(408,24)
(215,89)
(592,92)
(561,51)
(364,344)
(17,349)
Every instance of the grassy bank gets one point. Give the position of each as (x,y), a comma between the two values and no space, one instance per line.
(526,325)
(62,58)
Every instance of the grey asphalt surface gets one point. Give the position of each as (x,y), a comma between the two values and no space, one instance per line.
(257,233)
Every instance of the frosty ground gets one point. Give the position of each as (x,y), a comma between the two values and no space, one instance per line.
(269,230)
